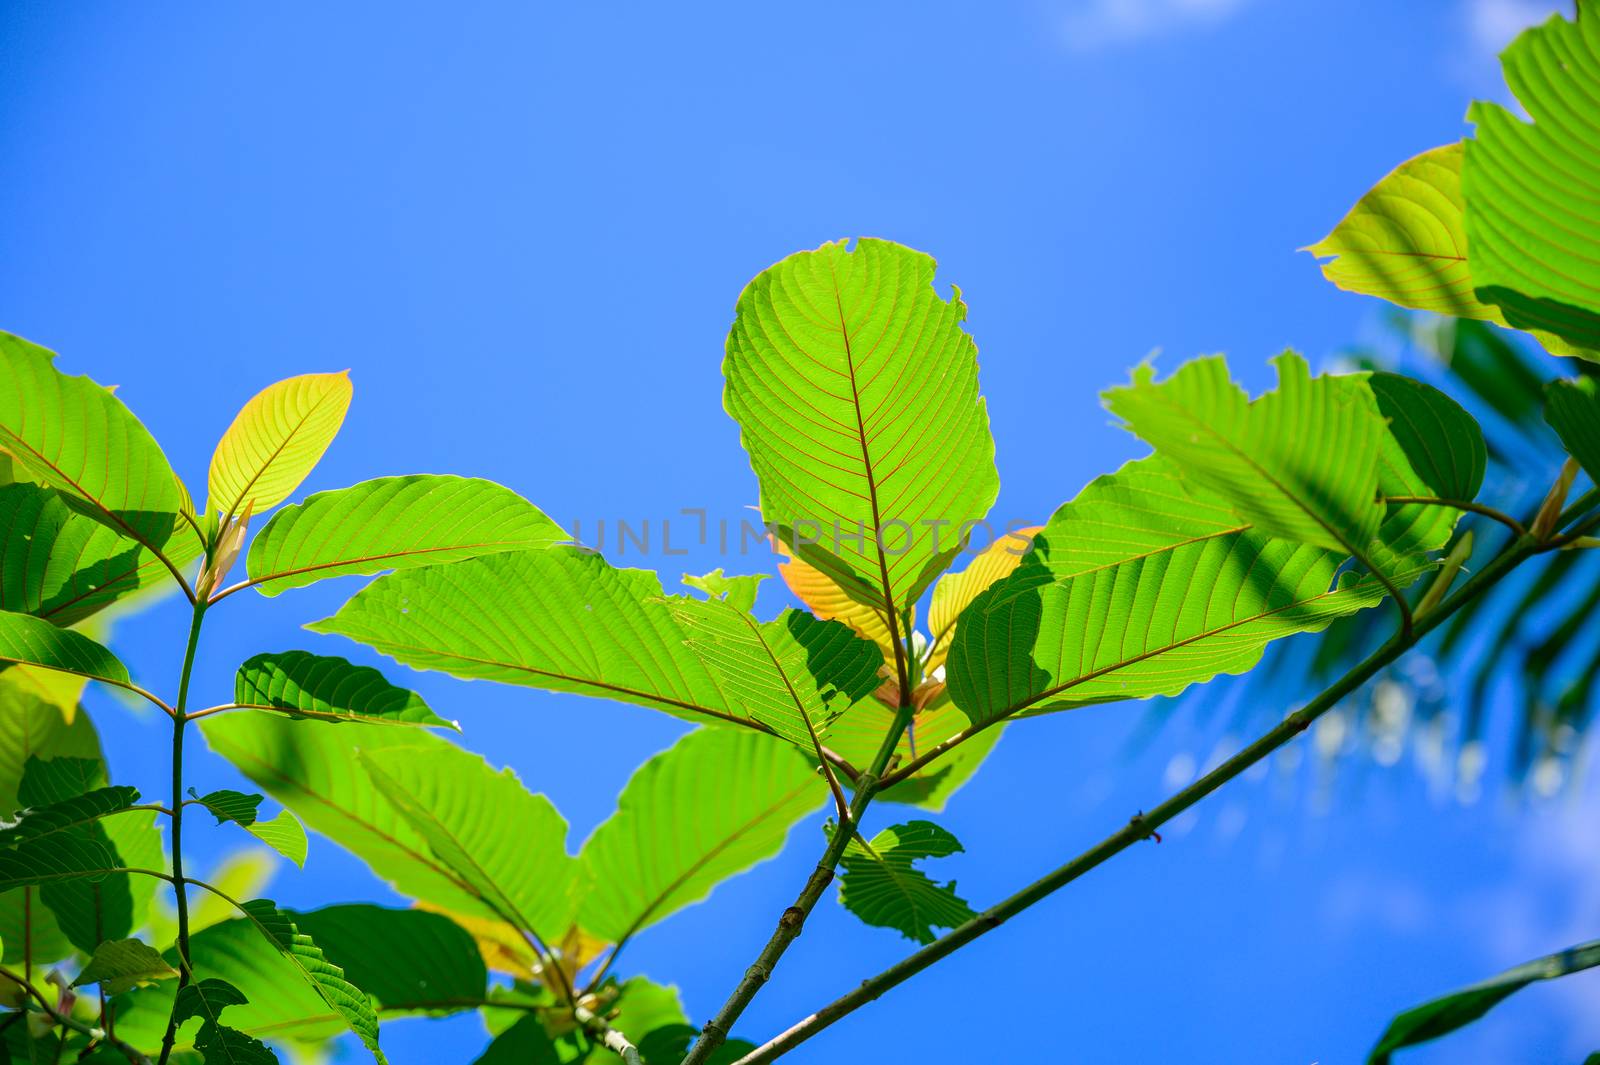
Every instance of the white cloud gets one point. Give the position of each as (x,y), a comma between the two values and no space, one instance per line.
(1091,24)
(1493,24)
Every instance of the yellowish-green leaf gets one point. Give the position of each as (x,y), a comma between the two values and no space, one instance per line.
(119,965)
(830,602)
(856,393)
(956,591)
(276,440)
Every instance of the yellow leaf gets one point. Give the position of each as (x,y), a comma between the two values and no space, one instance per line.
(276,440)
(829,602)
(956,590)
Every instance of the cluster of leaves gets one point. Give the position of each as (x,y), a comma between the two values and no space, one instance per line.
(855,388)
(1503,228)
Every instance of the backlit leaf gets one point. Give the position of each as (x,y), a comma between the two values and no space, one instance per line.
(121,964)
(712,805)
(34,641)
(283,833)
(1533,226)
(794,674)
(856,393)
(275,440)
(74,436)
(738,592)
(882,885)
(830,602)
(956,591)
(394,523)
(1573,410)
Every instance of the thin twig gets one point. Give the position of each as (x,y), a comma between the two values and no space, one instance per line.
(95,1033)
(609,1037)
(1142,825)
(1464,504)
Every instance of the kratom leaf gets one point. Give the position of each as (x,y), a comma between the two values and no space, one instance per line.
(1573,410)
(217,1042)
(66,815)
(671,1042)
(1433,448)
(63,566)
(275,440)
(561,619)
(34,641)
(829,602)
(1300,462)
(409,961)
(1533,228)
(282,833)
(119,965)
(524,1043)
(394,523)
(327,688)
(882,885)
(856,394)
(515,837)
(479,854)
(1143,585)
(70,434)
(712,805)
(737,592)
(956,591)
(794,674)
(1444,1015)
(326,978)
(32,728)
(1406,240)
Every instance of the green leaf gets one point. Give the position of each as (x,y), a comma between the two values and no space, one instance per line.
(1144,584)
(856,393)
(74,436)
(670,1043)
(561,619)
(524,1043)
(326,978)
(409,961)
(217,1042)
(1533,229)
(121,964)
(60,565)
(1433,448)
(516,837)
(956,591)
(882,885)
(394,523)
(737,592)
(1444,1015)
(712,805)
(327,688)
(1573,410)
(794,674)
(275,441)
(506,844)
(1299,463)
(34,641)
(66,815)
(282,833)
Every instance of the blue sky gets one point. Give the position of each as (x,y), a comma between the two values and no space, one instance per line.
(523,228)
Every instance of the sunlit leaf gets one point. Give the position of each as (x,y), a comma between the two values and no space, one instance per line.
(516,837)
(561,619)
(830,602)
(74,436)
(857,735)
(275,441)
(794,674)
(882,885)
(1532,225)
(738,592)
(1433,448)
(34,641)
(856,393)
(394,523)
(328,688)
(712,805)
(1444,1015)
(1143,585)
(121,964)
(216,1041)
(956,591)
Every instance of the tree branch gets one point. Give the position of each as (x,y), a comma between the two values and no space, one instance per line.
(1143,825)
